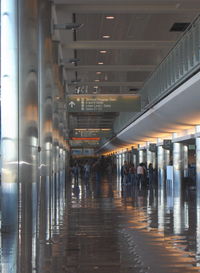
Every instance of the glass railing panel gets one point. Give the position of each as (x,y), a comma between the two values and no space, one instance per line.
(182,61)
(180,64)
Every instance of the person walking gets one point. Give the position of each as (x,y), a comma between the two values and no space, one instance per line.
(140,174)
(86,170)
(124,172)
(132,174)
(75,172)
(150,173)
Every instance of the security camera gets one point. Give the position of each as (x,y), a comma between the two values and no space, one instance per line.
(70,60)
(74,60)
(68,26)
(75,81)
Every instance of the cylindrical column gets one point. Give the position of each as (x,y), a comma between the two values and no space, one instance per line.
(9,135)
(141,156)
(177,161)
(47,89)
(198,163)
(161,163)
(28,133)
(177,207)
(154,160)
(177,185)
(198,196)
(161,206)
(149,157)
(135,159)
(166,157)
(185,160)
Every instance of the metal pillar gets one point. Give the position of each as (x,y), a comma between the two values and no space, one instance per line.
(198,197)
(161,206)
(134,159)
(166,157)
(178,160)
(28,133)
(9,135)
(198,164)
(161,164)
(141,156)
(185,160)
(47,89)
(149,157)
(177,185)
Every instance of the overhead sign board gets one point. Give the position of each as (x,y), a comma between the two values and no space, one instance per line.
(104,103)
(88,151)
(76,151)
(82,152)
(152,147)
(134,151)
(84,143)
(167,144)
(91,133)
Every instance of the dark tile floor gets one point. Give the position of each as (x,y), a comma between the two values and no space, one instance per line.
(109,228)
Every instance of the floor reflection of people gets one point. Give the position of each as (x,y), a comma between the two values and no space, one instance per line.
(76,191)
(75,173)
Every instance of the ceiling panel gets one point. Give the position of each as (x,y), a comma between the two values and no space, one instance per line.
(130,26)
(140,38)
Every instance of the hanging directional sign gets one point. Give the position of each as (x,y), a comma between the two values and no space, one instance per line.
(152,147)
(91,133)
(167,144)
(104,103)
(83,142)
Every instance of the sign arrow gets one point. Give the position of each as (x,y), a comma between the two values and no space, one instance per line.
(72,104)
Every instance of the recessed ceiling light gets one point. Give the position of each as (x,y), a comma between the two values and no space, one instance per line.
(100,62)
(98,73)
(106,36)
(103,51)
(110,17)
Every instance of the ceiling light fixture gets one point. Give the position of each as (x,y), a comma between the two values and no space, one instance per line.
(68,26)
(98,73)
(97,80)
(103,51)
(106,36)
(110,17)
(100,62)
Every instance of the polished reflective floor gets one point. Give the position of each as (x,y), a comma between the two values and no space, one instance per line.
(109,227)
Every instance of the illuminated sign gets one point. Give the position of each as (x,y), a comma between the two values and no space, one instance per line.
(104,103)
(82,152)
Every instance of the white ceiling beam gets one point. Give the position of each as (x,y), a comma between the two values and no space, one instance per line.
(111,68)
(118,44)
(129,84)
(127,8)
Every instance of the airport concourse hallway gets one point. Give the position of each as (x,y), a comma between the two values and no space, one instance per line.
(109,227)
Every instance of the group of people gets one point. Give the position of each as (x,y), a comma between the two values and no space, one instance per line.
(130,174)
(98,167)
(81,170)
(140,174)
